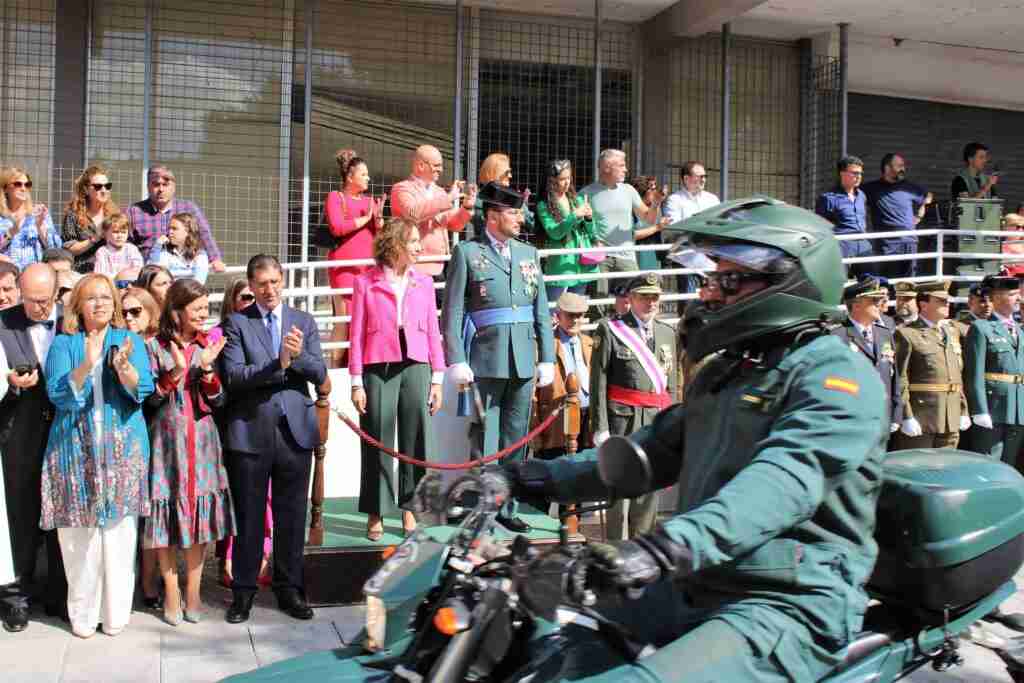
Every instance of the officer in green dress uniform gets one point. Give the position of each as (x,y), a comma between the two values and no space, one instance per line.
(632,377)
(777,452)
(929,360)
(994,375)
(497,325)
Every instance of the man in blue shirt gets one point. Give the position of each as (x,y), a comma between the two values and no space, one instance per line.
(896,204)
(845,206)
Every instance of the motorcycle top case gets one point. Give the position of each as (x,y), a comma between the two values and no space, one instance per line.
(950,528)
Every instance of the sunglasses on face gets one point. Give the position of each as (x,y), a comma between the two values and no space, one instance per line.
(103,186)
(133,312)
(247,298)
(19,184)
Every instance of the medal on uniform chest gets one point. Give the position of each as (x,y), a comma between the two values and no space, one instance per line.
(479,263)
(528,269)
(854,347)
(483,290)
(665,358)
(888,353)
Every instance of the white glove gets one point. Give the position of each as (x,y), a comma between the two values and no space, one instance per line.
(983,420)
(545,374)
(462,374)
(894,427)
(911,427)
(965,422)
(601,437)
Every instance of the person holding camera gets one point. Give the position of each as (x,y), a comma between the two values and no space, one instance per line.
(26,332)
(95,480)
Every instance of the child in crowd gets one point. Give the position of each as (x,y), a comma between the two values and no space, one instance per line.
(118,259)
(179,251)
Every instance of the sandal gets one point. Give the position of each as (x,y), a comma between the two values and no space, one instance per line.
(408,526)
(375,531)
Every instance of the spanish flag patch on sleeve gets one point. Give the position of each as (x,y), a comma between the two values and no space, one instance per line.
(842,384)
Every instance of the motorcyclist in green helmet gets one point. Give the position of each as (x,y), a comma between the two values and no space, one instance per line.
(777,454)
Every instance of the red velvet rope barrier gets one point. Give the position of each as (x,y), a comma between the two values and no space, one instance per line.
(450,466)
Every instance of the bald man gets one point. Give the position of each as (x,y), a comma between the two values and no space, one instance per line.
(437,212)
(26,332)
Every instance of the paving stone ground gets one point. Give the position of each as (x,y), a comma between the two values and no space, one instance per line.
(150,651)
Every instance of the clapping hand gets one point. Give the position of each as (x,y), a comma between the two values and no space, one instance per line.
(122,362)
(584,210)
(377,208)
(209,355)
(23,381)
(291,346)
(469,202)
(455,191)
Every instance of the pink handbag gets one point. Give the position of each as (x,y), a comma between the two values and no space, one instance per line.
(592,258)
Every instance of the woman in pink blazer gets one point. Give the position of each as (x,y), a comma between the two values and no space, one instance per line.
(397,366)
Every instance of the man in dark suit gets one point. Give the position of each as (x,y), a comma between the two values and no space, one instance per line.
(26,332)
(271,356)
(865,333)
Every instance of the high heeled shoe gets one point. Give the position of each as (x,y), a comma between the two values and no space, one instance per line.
(375,531)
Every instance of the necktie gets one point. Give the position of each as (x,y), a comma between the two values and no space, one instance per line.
(48,324)
(1011,328)
(275,335)
(869,337)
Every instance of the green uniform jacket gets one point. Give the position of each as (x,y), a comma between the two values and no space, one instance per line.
(569,233)
(931,355)
(613,362)
(779,468)
(480,278)
(990,348)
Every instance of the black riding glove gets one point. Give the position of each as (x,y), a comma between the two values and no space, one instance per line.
(629,566)
(530,482)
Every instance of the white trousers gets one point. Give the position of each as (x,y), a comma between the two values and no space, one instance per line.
(100,566)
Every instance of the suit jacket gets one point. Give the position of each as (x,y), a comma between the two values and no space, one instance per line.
(431,209)
(373,332)
(614,363)
(931,355)
(262,396)
(990,348)
(479,278)
(881,354)
(20,411)
(548,397)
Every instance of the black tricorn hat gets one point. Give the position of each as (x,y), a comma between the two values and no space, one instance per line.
(495,196)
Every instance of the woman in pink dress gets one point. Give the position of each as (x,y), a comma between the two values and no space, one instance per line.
(354,217)
(1014,245)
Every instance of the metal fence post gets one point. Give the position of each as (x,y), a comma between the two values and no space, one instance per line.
(597,86)
(147,93)
(310,9)
(844,84)
(726,117)
(939,250)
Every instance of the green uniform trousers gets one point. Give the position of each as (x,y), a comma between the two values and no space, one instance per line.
(1002,442)
(901,442)
(694,647)
(395,393)
(507,404)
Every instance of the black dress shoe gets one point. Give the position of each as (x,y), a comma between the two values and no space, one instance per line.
(16,619)
(294,605)
(514,524)
(155,602)
(240,608)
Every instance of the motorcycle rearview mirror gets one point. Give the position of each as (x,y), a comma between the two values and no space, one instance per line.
(624,467)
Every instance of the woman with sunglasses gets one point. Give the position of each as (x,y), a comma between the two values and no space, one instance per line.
(26,229)
(91,204)
(497,168)
(237,298)
(566,220)
(142,316)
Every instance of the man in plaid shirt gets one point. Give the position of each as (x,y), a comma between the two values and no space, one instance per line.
(151,217)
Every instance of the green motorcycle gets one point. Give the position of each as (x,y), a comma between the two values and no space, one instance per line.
(452,604)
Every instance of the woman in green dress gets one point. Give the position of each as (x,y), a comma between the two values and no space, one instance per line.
(566,223)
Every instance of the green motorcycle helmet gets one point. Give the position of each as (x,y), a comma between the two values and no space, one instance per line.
(795,247)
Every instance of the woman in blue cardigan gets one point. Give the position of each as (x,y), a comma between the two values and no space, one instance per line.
(95,481)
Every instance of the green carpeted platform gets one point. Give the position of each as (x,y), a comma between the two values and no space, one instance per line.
(345,526)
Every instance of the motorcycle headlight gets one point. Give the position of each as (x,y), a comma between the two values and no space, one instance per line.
(376,623)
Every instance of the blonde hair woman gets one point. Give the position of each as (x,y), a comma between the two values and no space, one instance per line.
(26,229)
(497,168)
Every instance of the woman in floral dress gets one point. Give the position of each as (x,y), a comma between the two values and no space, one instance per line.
(191,501)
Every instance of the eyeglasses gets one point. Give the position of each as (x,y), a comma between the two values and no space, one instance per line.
(247,298)
(103,186)
(133,312)
(731,282)
(559,166)
(19,184)
(104,299)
